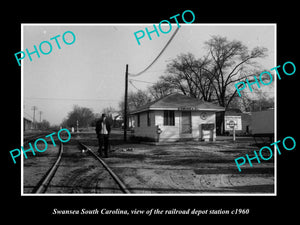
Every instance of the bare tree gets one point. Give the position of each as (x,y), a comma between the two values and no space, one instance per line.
(108,110)
(187,75)
(135,100)
(43,125)
(212,77)
(83,115)
(231,62)
(161,88)
(261,101)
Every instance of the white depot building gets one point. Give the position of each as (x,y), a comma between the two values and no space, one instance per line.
(176,117)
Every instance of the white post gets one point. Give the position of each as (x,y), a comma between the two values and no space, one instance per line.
(234,132)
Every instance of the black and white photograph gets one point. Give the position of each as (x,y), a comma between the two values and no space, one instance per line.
(143,112)
(169,115)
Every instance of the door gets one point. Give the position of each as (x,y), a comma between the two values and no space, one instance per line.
(186,122)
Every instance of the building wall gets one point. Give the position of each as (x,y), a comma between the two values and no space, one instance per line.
(169,133)
(27,124)
(210,119)
(263,122)
(173,133)
(144,130)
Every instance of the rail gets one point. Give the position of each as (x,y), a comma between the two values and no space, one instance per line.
(114,176)
(45,181)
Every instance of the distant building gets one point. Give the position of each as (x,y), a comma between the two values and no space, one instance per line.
(263,123)
(117,119)
(176,117)
(27,124)
(246,120)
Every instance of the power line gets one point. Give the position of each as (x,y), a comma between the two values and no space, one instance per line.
(142,81)
(138,74)
(133,85)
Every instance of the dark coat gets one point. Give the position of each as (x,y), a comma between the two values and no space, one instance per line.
(99,126)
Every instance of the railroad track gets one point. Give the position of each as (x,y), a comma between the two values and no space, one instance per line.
(31,138)
(113,175)
(46,179)
(45,182)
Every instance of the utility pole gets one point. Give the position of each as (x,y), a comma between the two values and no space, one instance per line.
(40,116)
(34,108)
(125,104)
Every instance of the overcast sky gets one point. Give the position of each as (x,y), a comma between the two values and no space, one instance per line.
(91,71)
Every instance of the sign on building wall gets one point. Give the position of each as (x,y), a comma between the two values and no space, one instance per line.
(208,126)
(188,109)
(233,122)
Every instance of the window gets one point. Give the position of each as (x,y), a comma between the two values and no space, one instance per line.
(148,119)
(169,118)
(138,120)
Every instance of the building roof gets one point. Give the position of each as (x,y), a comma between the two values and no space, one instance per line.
(178,101)
(28,120)
(25,117)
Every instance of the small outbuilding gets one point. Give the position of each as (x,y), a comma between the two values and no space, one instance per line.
(245,120)
(27,124)
(176,117)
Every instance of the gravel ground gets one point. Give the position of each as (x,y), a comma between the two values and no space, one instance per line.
(174,168)
(190,168)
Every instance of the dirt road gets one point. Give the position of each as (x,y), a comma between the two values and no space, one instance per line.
(190,168)
(174,168)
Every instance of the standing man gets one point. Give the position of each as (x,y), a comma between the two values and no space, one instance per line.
(103,131)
